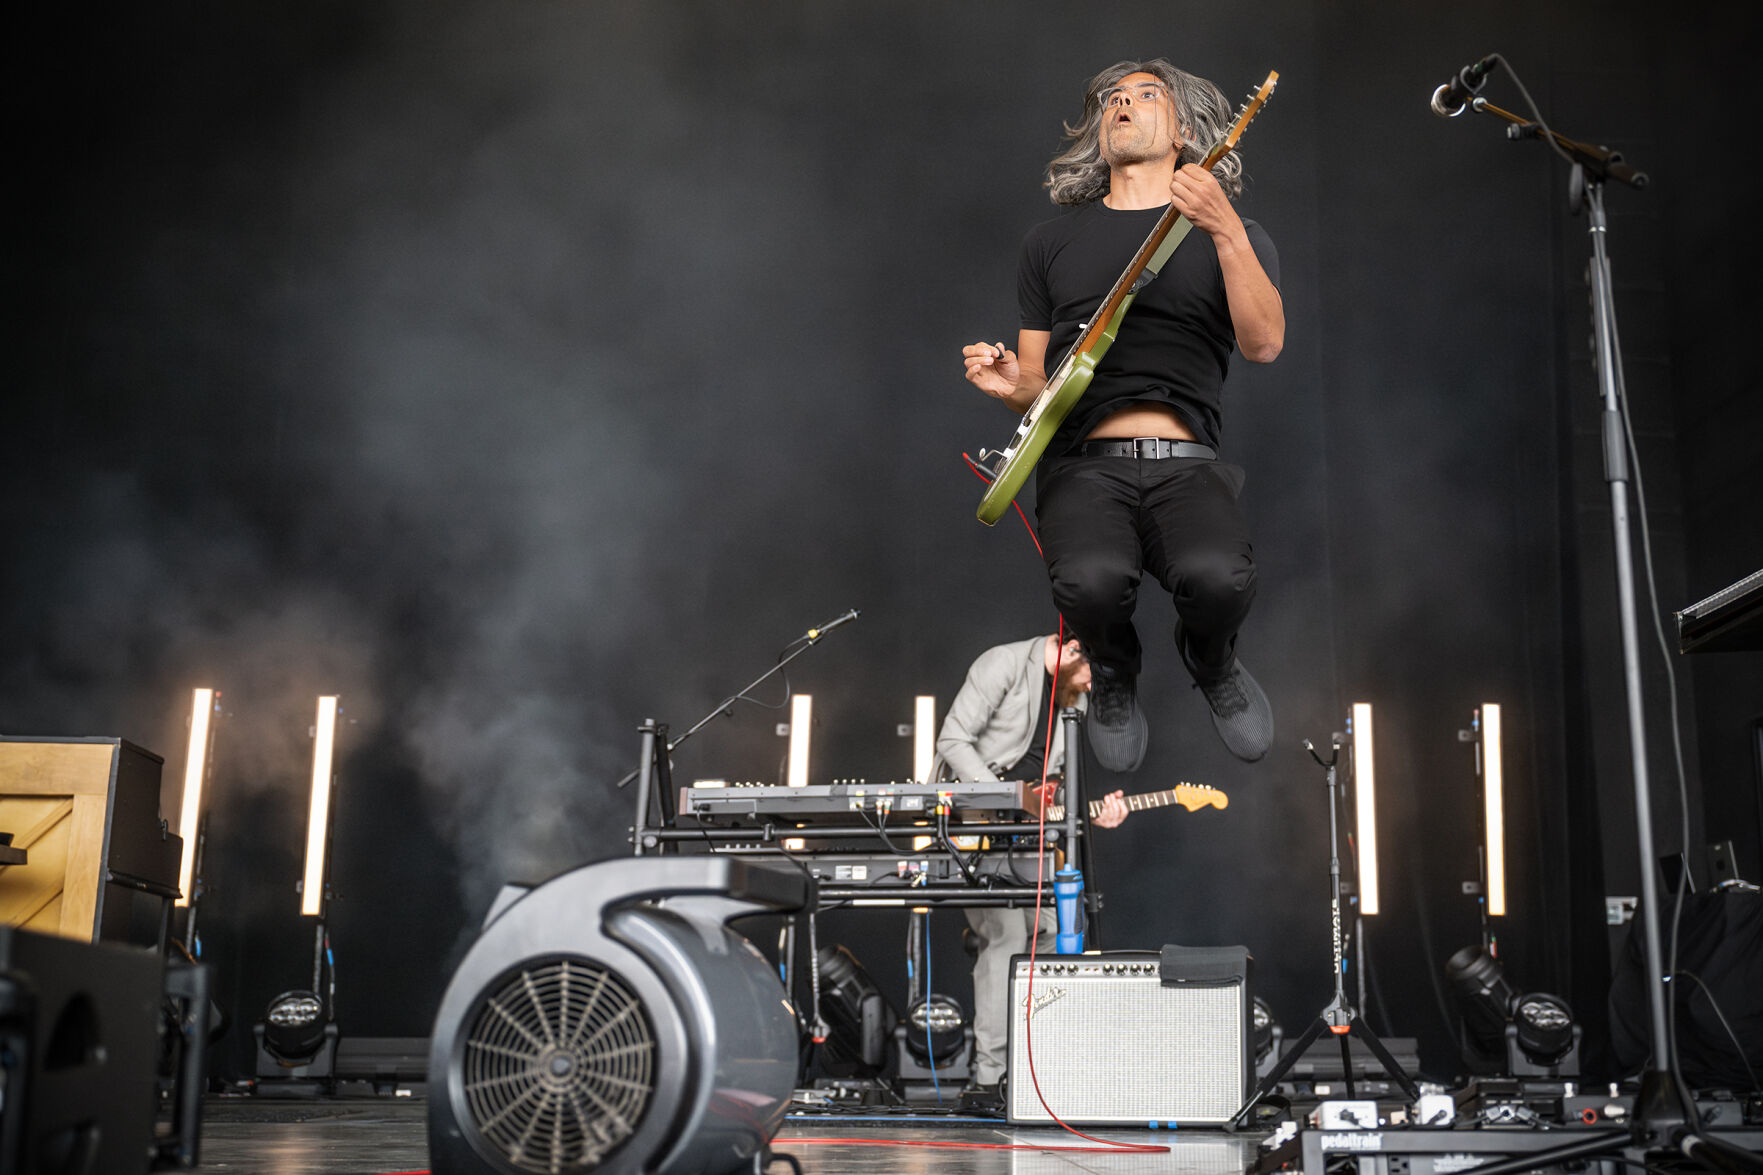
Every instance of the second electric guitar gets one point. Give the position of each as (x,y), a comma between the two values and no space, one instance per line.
(1192,796)
(1072,376)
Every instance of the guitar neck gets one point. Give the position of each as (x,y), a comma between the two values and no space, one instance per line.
(1138,803)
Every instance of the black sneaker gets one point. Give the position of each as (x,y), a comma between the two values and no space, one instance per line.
(1116,726)
(1240,713)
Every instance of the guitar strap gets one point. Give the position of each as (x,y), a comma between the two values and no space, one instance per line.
(1177,233)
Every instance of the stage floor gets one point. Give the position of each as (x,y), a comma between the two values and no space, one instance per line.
(370,1137)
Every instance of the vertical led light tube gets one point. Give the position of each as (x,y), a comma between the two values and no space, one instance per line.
(195,771)
(801,718)
(318,817)
(1493,783)
(924,737)
(1365,806)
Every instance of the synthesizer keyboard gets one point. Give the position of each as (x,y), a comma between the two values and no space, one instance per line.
(821,801)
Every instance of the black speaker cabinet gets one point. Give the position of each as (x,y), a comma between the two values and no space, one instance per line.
(80,1097)
(1132,1037)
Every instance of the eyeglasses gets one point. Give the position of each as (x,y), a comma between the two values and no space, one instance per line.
(1143,93)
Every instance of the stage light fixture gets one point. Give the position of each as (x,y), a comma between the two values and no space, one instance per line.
(859,1016)
(1267,1031)
(937,1032)
(801,719)
(1540,1025)
(324,741)
(195,774)
(924,737)
(293,1027)
(1365,806)
(1493,802)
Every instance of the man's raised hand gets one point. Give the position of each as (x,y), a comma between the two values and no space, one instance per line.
(1196,195)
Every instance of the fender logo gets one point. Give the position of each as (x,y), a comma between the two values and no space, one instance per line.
(1044,997)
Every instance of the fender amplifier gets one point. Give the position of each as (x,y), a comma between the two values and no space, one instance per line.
(1132,1037)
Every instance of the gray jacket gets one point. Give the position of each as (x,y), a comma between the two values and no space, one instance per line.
(992,719)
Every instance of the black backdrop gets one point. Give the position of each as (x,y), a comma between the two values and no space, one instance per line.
(522,371)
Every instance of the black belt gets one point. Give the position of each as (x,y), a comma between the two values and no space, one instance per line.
(1149,448)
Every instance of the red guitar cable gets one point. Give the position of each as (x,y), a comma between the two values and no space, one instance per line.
(1107,1147)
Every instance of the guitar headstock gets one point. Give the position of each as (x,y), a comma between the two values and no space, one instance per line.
(1194,796)
(1240,123)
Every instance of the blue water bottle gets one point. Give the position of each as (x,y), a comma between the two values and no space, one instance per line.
(1068,891)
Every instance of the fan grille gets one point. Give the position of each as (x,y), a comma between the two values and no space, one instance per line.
(559,1066)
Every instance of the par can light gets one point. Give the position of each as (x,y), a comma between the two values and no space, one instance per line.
(293,1027)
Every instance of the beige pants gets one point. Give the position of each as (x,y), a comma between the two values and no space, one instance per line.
(1003,932)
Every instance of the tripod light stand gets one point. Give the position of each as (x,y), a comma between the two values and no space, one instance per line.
(1339,1016)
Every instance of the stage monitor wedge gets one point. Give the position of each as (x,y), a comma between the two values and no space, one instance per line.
(81,1022)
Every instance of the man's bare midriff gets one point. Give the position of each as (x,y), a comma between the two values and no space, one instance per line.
(1143,420)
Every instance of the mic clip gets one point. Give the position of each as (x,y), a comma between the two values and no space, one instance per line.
(1450,99)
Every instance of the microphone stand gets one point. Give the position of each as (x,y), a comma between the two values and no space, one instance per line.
(1600,163)
(1664,1110)
(656,750)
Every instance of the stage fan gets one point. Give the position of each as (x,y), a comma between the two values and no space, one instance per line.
(609,1021)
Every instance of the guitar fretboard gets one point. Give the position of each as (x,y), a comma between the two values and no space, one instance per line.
(1190,796)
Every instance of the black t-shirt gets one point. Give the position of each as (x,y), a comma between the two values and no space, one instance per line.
(1175,341)
(1034,760)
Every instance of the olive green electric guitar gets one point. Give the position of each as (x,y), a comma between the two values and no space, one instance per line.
(1063,390)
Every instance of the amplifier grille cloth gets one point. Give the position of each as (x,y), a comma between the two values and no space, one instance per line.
(1112,1048)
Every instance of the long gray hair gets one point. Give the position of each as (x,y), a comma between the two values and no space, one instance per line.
(1079,174)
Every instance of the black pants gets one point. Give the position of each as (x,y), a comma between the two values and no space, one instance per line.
(1105,521)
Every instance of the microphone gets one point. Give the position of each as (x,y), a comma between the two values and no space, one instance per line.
(815,634)
(1449,99)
